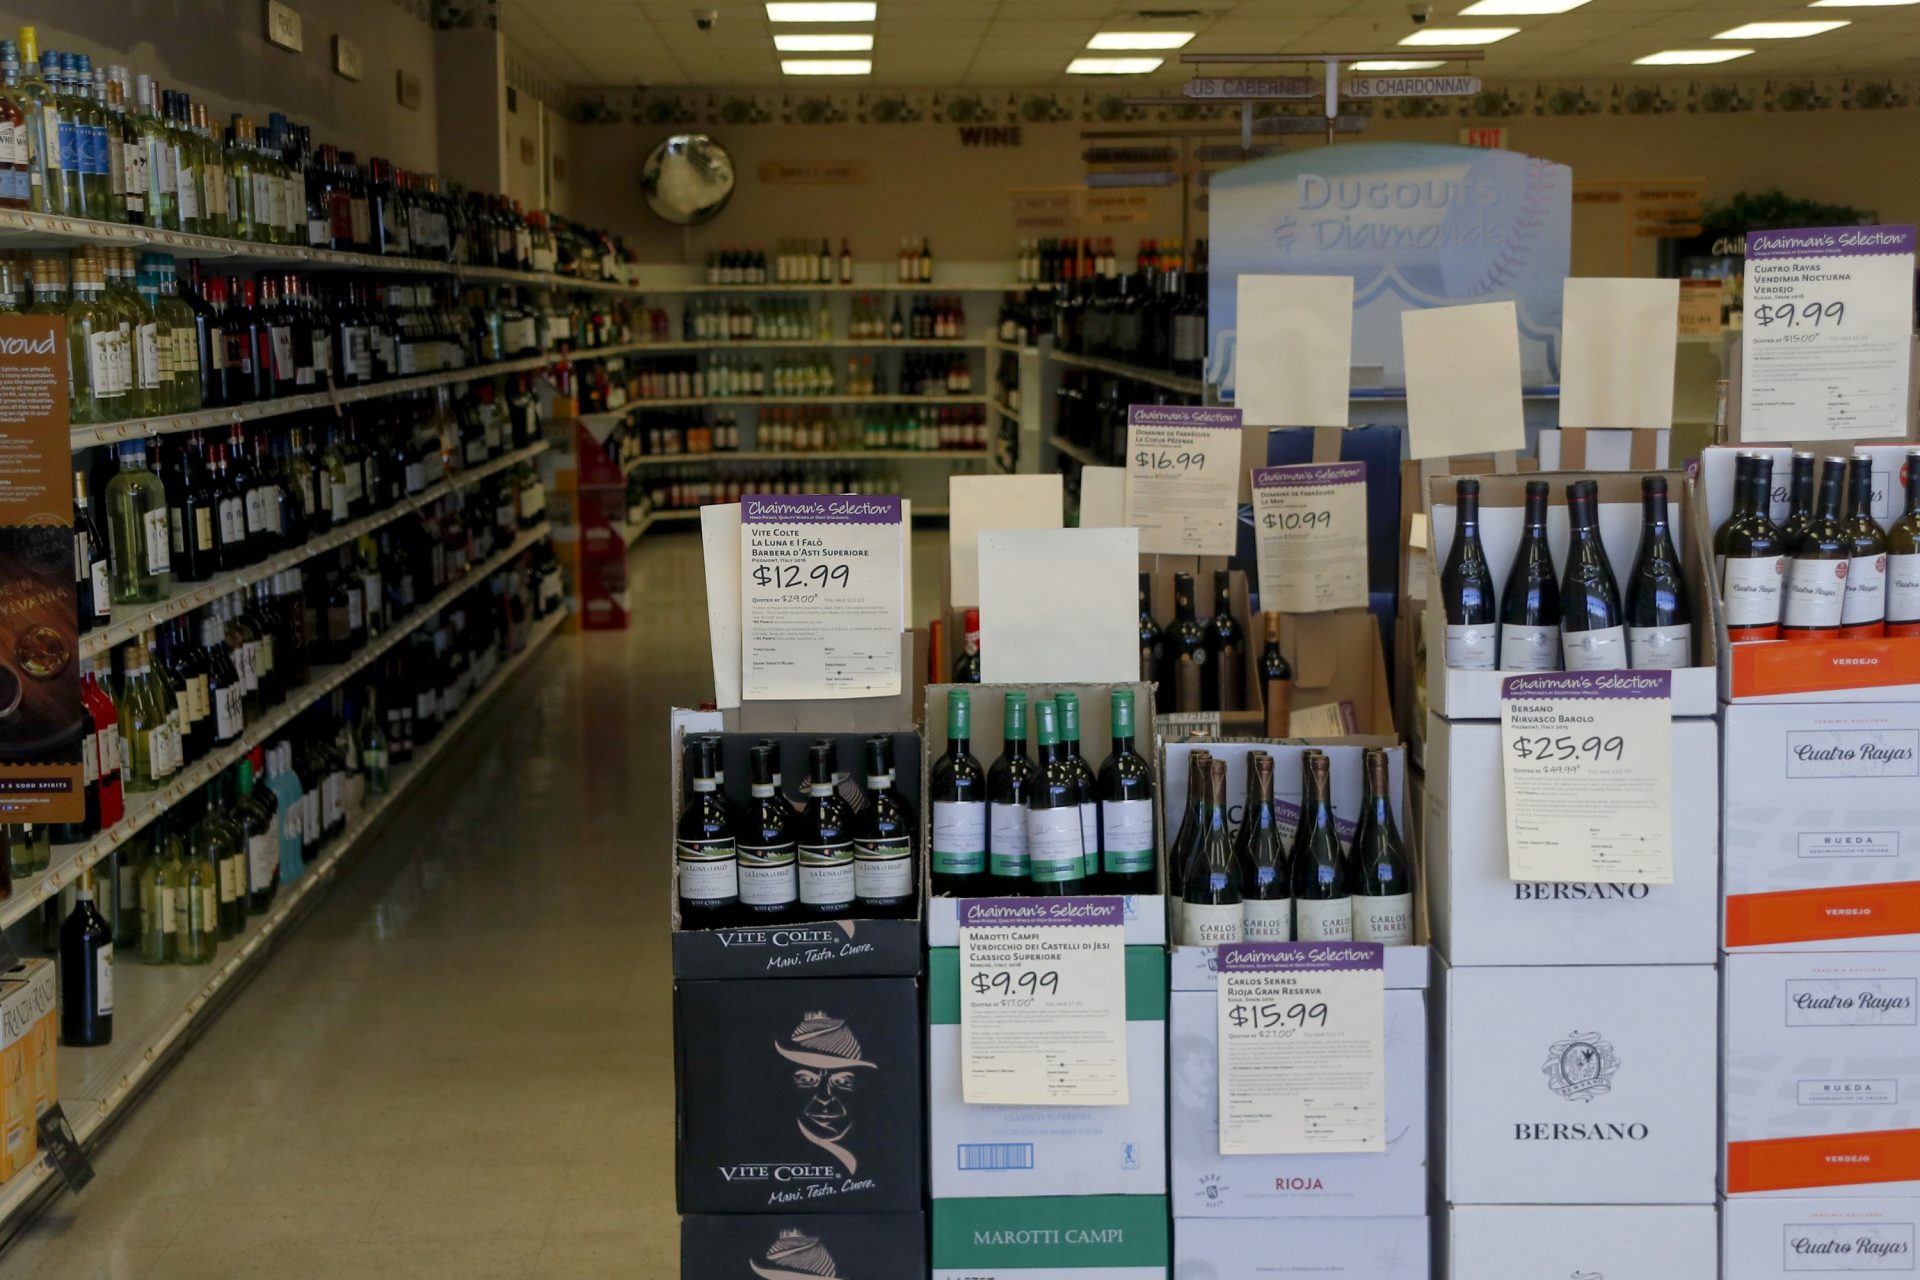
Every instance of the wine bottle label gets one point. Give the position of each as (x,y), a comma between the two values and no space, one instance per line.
(1602,650)
(1529,648)
(1387,920)
(1659,649)
(769,876)
(1903,589)
(103,597)
(1816,594)
(263,852)
(709,872)
(1054,851)
(1127,826)
(209,910)
(826,875)
(882,869)
(103,980)
(1267,920)
(225,872)
(1865,600)
(959,838)
(89,754)
(1323,919)
(1473,646)
(1090,835)
(1007,839)
(1205,925)
(128,881)
(168,910)
(159,541)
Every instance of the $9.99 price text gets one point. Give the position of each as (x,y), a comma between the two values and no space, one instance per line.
(1016,982)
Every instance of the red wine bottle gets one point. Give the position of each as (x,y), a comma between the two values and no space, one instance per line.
(1530,606)
(1659,615)
(1593,636)
(1466,589)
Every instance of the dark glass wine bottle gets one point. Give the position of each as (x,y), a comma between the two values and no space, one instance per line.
(1817,564)
(86,972)
(1530,606)
(1125,788)
(1466,589)
(708,872)
(1863,609)
(883,861)
(1743,464)
(1226,651)
(1903,558)
(1068,704)
(1151,646)
(1593,636)
(1210,909)
(825,842)
(966,667)
(958,787)
(1317,865)
(1266,903)
(1276,678)
(1180,852)
(764,843)
(1379,872)
(1056,861)
(1010,780)
(1659,615)
(1799,499)
(1185,643)
(1752,557)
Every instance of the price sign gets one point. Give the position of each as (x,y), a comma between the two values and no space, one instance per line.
(1183,478)
(1043,1001)
(1827,349)
(821,595)
(1587,758)
(63,1148)
(1310,536)
(1302,1029)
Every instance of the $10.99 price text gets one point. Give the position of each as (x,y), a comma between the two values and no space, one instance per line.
(1296,521)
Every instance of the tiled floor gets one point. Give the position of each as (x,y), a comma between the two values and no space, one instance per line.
(460,1065)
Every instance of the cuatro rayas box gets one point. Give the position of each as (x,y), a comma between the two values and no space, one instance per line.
(1839,1239)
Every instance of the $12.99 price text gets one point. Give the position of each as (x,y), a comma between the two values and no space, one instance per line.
(802,575)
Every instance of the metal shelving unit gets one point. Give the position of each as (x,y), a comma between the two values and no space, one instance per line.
(719,345)
(1155,377)
(810,455)
(1084,457)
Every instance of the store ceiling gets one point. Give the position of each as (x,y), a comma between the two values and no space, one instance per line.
(1028,43)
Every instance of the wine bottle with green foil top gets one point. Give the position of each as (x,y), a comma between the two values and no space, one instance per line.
(1125,791)
(1068,704)
(1009,783)
(1056,862)
(958,793)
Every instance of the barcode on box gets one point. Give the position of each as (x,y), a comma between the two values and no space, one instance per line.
(992,1156)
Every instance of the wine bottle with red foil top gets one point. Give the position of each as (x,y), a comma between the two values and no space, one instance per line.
(1659,615)
(1863,607)
(966,667)
(1903,558)
(1817,560)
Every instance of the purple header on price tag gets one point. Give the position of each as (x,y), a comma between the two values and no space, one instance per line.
(1270,957)
(981,913)
(818,508)
(1829,242)
(1309,475)
(1589,684)
(1182,415)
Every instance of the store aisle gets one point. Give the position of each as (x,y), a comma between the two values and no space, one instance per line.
(461,1064)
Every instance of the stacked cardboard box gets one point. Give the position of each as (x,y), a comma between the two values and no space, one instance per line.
(29,1060)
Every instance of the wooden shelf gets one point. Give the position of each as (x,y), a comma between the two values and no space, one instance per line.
(1083,456)
(1156,377)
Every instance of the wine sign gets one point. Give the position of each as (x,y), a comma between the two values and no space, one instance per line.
(42,718)
(1303,1060)
(1827,349)
(1043,1001)
(822,596)
(1310,536)
(1587,759)
(1183,478)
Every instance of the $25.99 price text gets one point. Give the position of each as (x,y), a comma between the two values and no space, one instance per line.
(1565,748)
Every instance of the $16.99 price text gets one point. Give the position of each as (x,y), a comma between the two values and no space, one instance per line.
(1150,460)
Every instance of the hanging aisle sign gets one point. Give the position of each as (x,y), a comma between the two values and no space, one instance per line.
(1302,1029)
(1827,352)
(1183,478)
(1310,536)
(1587,758)
(1410,86)
(1263,88)
(1043,1001)
(821,596)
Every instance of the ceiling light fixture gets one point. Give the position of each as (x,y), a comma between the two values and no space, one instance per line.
(1689,57)
(1518,8)
(822,42)
(1113,66)
(837,11)
(1139,39)
(1781,30)
(1459,37)
(1392,65)
(827,66)
(1860,4)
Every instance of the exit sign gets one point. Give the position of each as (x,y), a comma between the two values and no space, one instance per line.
(1493,139)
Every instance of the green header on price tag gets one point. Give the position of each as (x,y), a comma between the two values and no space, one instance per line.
(1146,985)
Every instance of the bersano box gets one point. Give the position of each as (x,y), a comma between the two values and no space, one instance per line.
(1822,826)
(1767,1239)
(1526,1242)
(1822,1082)
(1049,1237)
(1479,916)
(799,1096)
(981,1150)
(1257,1249)
(1207,1184)
(1587,1085)
(738,1246)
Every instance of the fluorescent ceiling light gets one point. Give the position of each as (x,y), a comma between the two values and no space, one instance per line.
(1459,37)
(832,12)
(1860,4)
(1781,30)
(826,66)
(1517,8)
(1113,66)
(1689,57)
(822,43)
(1407,66)
(1139,39)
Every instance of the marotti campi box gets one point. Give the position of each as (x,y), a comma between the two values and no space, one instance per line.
(737,1246)
(1046,1237)
(1586,1241)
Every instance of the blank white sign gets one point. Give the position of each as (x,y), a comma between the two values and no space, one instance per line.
(1059,604)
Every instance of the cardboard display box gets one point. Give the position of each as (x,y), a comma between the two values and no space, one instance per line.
(732,1246)
(1260,1248)
(801,1096)
(989,1151)
(1635,1242)
(1475,695)
(1045,1237)
(1251,716)
(29,1058)
(1822,1074)
(1339,673)
(1822,827)
(1832,1239)
(1481,917)
(1578,1085)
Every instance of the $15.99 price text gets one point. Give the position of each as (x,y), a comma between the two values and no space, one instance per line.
(1272,1015)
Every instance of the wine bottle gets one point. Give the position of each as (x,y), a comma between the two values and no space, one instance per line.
(1056,859)
(1530,606)
(1379,873)
(1466,589)
(764,844)
(883,861)
(1817,564)
(1749,549)
(966,667)
(1210,907)
(708,867)
(1125,789)
(825,842)
(1659,615)
(196,905)
(1863,606)
(91,569)
(1186,650)
(1276,678)
(958,789)
(1068,704)
(1266,907)
(1593,636)
(259,816)
(1903,558)
(1010,781)
(1226,650)
(1180,852)
(1799,500)
(1151,648)
(86,972)
(1317,865)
